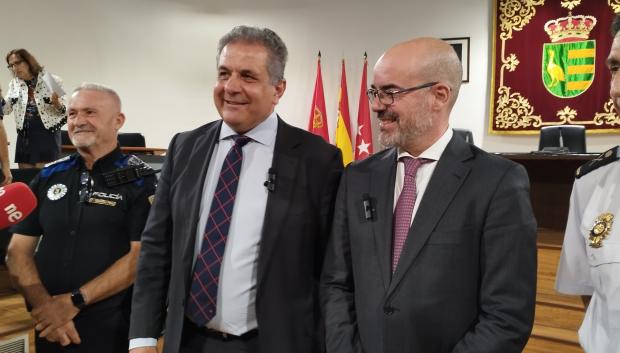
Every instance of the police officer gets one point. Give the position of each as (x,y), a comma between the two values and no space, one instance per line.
(590,260)
(74,257)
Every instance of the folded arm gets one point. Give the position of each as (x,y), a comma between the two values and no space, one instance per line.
(26,279)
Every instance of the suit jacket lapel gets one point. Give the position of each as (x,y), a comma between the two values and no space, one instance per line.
(197,167)
(449,175)
(285,162)
(382,181)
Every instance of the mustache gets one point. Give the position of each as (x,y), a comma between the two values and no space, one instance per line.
(387,116)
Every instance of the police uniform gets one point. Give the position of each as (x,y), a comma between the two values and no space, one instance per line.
(590,260)
(87,220)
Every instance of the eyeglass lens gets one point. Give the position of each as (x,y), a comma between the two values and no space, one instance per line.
(10,66)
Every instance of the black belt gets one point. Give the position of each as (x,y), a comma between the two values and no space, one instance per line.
(218,335)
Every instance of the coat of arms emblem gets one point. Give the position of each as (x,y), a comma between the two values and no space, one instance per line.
(568,61)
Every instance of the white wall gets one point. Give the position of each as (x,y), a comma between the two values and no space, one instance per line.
(159,54)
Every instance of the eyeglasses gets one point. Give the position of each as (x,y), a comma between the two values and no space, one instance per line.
(387,97)
(86,187)
(18,62)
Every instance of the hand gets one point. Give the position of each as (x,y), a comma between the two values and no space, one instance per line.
(54,313)
(8,177)
(64,335)
(144,350)
(56,101)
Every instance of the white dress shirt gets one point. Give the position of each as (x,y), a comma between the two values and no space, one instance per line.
(424,173)
(236,294)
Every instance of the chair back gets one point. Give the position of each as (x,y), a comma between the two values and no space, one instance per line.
(131,139)
(566,138)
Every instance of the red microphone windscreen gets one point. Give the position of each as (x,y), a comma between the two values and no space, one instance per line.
(16,202)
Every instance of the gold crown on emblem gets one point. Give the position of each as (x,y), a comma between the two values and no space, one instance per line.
(570,28)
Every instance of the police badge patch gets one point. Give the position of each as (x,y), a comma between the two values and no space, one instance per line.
(56,192)
(601,229)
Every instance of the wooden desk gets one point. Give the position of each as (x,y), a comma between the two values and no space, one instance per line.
(551,183)
(134,150)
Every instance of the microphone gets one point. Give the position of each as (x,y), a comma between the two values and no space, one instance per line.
(16,202)
(270,184)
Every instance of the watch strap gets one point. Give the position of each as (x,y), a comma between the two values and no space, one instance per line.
(78,299)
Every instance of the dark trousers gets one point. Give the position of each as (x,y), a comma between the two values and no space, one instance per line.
(200,340)
(102,332)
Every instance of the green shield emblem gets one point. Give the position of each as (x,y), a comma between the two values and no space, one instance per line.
(568,68)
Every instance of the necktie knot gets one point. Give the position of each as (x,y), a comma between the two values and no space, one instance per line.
(413,164)
(241,140)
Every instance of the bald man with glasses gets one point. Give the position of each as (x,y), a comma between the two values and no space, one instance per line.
(433,246)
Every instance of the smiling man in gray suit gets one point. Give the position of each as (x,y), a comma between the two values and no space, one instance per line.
(233,248)
(433,247)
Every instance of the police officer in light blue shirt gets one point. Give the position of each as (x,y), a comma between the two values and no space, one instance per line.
(590,260)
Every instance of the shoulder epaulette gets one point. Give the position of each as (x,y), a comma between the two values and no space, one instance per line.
(601,160)
(132,169)
(59,165)
(65,158)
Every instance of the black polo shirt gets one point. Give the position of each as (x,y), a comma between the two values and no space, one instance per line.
(81,239)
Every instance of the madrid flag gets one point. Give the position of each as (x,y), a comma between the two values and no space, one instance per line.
(343,125)
(363,138)
(318,118)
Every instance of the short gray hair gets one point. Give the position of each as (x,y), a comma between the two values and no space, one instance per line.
(92,86)
(278,54)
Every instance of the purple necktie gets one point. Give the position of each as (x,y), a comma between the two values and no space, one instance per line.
(404,206)
(202,301)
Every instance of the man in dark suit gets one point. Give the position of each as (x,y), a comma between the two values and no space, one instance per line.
(433,247)
(266,191)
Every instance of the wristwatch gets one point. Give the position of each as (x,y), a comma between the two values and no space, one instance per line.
(78,299)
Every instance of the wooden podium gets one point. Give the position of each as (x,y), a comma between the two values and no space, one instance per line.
(558,316)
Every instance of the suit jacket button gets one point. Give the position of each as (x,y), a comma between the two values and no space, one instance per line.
(388,310)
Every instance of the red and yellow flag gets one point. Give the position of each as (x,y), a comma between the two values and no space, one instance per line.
(318,118)
(363,138)
(343,125)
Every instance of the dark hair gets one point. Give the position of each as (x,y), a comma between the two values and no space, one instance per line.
(23,54)
(615,25)
(278,53)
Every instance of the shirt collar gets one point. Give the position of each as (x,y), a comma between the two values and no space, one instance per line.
(264,133)
(435,150)
(106,162)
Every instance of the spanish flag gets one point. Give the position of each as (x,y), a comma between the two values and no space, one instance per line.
(318,118)
(343,126)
